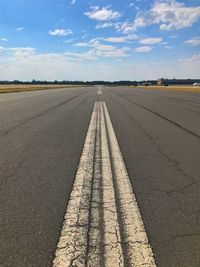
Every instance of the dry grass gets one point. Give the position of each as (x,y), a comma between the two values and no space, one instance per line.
(178,88)
(11,88)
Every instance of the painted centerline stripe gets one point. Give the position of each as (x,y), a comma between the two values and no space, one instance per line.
(96,217)
(112,240)
(137,248)
(103,225)
(72,246)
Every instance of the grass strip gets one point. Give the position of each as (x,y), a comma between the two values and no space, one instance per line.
(12,88)
(191,89)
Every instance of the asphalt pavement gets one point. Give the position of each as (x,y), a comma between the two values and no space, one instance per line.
(42,134)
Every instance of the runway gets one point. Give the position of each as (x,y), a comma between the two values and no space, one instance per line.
(42,137)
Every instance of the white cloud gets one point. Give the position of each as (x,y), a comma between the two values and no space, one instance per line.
(99,50)
(103,14)
(81,44)
(143,49)
(18,51)
(60,32)
(19,29)
(121,39)
(116,39)
(125,27)
(111,52)
(194,58)
(4,39)
(73,2)
(169,15)
(105,25)
(88,55)
(194,41)
(23,51)
(150,40)
(68,66)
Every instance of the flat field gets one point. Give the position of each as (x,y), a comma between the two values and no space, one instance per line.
(181,88)
(10,88)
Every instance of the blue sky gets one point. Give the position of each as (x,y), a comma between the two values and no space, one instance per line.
(94,40)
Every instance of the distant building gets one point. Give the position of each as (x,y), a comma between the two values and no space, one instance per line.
(160,81)
(163,81)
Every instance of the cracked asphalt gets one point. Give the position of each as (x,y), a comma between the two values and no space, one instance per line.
(41,140)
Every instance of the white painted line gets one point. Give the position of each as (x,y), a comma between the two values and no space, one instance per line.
(95,233)
(112,240)
(138,249)
(103,225)
(104,233)
(99,92)
(72,246)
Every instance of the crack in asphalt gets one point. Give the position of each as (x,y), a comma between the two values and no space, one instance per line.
(91,194)
(165,96)
(41,114)
(159,115)
(98,193)
(174,162)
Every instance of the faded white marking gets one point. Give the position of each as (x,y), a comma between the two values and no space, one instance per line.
(137,246)
(94,250)
(72,246)
(112,239)
(99,92)
(100,200)
(104,240)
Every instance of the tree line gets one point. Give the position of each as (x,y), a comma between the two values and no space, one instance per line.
(64,82)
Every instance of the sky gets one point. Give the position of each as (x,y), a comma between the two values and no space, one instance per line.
(99,39)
